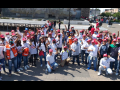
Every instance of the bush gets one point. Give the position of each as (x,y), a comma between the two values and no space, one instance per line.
(39,19)
(5,18)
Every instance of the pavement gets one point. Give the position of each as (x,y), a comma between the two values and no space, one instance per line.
(66,73)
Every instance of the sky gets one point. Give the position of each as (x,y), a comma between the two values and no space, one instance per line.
(103,9)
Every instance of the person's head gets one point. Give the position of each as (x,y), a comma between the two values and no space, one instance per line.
(71,33)
(98,36)
(46,38)
(50,52)
(89,41)
(24,40)
(51,30)
(105,56)
(50,34)
(68,33)
(32,33)
(25,32)
(18,43)
(11,41)
(114,41)
(12,31)
(7,34)
(54,41)
(59,35)
(104,41)
(95,32)
(2,37)
(32,39)
(75,40)
(42,39)
(84,36)
(118,39)
(106,32)
(114,35)
(58,30)
(14,36)
(93,42)
(72,28)
(65,48)
(28,36)
(81,32)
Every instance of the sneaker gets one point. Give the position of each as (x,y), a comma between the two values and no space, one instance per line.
(21,68)
(99,74)
(116,74)
(27,66)
(41,65)
(18,70)
(88,68)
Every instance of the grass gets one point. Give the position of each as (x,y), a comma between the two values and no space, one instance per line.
(13,18)
(4,18)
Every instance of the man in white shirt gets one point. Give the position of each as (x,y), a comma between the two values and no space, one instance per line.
(75,50)
(94,36)
(59,42)
(53,33)
(64,56)
(93,49)
(51,64)
(105,64)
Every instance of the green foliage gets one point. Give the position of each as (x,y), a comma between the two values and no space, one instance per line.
(107,14)
(5,18)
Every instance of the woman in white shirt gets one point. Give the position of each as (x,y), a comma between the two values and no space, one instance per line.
(42,49)
(33,50)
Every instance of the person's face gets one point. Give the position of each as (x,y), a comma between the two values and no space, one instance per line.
(71,34)
(104,42)
(67,33)
(93,44)
(42,39)
(113,35)
(65,49)
(84,37)
(51,31)
(118,40)
(76,41)
(88,42)
(50,53)
(114,42)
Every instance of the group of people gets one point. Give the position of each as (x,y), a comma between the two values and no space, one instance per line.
(92,45)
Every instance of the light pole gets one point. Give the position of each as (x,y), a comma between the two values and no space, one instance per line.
(69,19)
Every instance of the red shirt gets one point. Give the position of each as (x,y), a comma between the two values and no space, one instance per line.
(101,19)
(92,30)
(49,24)
(97,24)
(97,29)
(96,19)
(100,40)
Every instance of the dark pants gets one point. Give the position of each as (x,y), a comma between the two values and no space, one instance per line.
(116,62)
(82,55)
(2,61)
(31,59)
(54,25)
(76,56)
(59,26)
(99,58)
(86,56)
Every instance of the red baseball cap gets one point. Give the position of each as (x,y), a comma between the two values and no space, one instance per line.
(104,55)
(53,40)
(2,36)
(93,41)
(24,39)
(58,30)
(28,35)
(7,33)
(31,37)
(42,33)
(83,35)
(106,37)
(38,30)
(13,34)
(114,40)
(81,31)
(104,40)
(113,34)
(12,31)
(32,33)
(118,37)
(59,34)
(75,39)
(88,40)
(96,31)
(65,47)
(50,50)
(49,33)
(98,35)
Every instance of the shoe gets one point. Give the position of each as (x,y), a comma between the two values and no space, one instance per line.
(99,74)
(18,70)
(21,68)
(88,68)
(41,65)
(95,70)
(116,74)
(27,66)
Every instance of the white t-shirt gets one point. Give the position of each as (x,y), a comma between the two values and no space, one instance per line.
(53,34)
(58,42)
(94,36)
(94,52)
(50,58)
(45,30)
(83,45)
(53,46)
(42,47)
(1,52)
(64,54)
(19,49)
(87,45)
(119,51)
(7,39)
(33,49)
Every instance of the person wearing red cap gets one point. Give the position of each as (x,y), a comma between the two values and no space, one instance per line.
(113,52)
(59,42)
(64,56)
(75,47)
(97,23)
(105,64)
(7,37)
(103,49)
(80,35)
(51,64)
(3,39)
(114,37)
(12,31)
(94,36)
(93,49)
(92,30)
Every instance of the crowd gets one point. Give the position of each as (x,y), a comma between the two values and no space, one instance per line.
(92,45)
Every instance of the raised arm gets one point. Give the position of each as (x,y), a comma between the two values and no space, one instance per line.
(118,34)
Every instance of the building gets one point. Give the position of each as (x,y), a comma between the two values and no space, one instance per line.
(112,10)
(62,13)
(94,12)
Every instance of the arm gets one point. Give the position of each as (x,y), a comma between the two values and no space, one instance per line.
(65,28)
(118,34)
(49,64)
(111,59)
(101,63)
(56,51)
(77,32)
(19,31)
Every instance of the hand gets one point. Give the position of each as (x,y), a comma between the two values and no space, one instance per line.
(73,50)
(51,67)
(17,28)
(108,56)
(104,67)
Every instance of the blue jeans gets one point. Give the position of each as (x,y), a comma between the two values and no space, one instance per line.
(44,58)
(82,55)
(54,65)
(116,62)
(55,56)
(19,58)
(37,54)
(10,64)
(70,53)
(25,58)
(2,61)
(86,56)
(77,56)
(94,62)
(118,66)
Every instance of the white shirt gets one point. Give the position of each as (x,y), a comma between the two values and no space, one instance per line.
(75,47)
(7,39)
(87,45)
(53,34)
(19,49)
(58,42)
(45,31)
(33,49)
(64,54)
(94,36)
(42,47)
(94,52)
(83,45)
(106,63)
(119,51)
(1,52)
(53,46)
(50,58)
